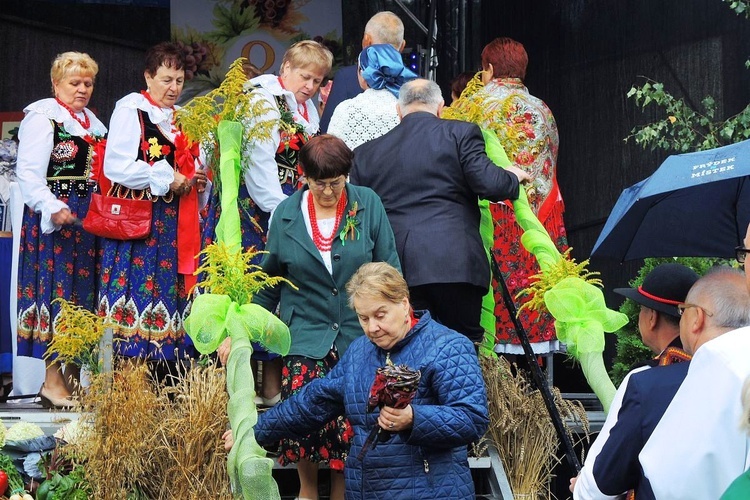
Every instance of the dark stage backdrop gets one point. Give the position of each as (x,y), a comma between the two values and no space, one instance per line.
(583,58)
(33,32)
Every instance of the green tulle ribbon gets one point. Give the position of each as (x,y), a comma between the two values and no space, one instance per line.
(213,317)
(487,319)
(228,229)
(580,312)
(535,237)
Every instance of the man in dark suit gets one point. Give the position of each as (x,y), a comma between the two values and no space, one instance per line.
(383,27)
(430,174)
(612,466)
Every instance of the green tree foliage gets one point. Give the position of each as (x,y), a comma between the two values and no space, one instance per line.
(682,128)
(740,7)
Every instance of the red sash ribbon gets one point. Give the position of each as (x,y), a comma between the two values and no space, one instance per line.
(188,226)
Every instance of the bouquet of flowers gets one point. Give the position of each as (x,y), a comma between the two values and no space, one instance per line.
(394,386)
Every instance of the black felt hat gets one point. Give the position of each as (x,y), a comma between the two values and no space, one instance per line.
(665,286)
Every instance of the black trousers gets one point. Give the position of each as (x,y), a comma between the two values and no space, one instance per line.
(455,305)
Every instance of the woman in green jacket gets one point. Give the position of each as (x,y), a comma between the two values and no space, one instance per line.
(317,239)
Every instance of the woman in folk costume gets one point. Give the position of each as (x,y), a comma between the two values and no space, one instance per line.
(59,151)
(270,167)
(145,284)
(528,133)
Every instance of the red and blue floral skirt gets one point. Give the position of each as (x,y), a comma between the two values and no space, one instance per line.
(142,292)
(61,264)
(518,266)
(254,226)
(331,443)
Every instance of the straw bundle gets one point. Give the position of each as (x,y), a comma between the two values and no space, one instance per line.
(155,441)
(521,428)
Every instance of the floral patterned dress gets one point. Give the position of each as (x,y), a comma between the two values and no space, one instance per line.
(329,444)
(141,288)
(528,133)
(56,156)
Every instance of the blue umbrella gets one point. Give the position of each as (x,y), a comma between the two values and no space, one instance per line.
(694,205)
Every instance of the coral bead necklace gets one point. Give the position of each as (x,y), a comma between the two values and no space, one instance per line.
(323,243)
(85,123)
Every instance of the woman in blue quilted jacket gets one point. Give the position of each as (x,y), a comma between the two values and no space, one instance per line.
(421,450)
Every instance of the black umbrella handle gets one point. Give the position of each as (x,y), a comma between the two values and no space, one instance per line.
(536,371)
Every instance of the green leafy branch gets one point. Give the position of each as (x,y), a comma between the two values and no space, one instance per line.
(682,128)
(740,7)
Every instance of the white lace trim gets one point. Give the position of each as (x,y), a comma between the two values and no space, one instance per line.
(364,117)
(544,347)
(161,117)
(52,110)
(161,175)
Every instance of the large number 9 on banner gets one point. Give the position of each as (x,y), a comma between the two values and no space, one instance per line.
(270,55)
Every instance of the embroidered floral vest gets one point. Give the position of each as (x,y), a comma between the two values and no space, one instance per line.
(154,146)
(69,165)
(293,137)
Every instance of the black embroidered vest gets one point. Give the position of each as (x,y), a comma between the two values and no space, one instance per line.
(293,137)
(69,166)
(154,146)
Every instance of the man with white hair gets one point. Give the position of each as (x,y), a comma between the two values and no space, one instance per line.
(698,448)
(430,174)
(385,27)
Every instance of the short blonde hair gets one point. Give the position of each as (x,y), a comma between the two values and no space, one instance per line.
(72,63)
(378,280)
(309,53)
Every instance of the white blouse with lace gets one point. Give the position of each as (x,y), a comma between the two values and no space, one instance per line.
(364,117)
(36,143)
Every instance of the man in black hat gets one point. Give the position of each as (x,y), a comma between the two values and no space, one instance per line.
(662,290)
(612,467)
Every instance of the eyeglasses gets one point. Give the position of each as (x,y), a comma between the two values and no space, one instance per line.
(321,186)
(741,253)
(681,308)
